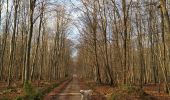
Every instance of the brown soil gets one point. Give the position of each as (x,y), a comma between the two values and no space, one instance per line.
(71,91)
(16,89)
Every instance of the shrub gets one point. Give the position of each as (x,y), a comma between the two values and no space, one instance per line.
(4,99)
(29,91)
(31,94)
(19,98)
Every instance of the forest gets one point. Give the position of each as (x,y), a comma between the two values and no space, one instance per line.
(53,49)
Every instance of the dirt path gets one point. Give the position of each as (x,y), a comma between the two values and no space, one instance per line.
(70,91)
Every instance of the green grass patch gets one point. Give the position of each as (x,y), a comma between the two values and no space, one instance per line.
(28,89)
(128,88)
(31,94)
(4,99)
(117,96)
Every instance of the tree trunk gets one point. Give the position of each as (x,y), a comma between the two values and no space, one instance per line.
(16,2)
(27,66)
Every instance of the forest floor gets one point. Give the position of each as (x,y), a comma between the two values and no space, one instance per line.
(70,90)
(67,90)
(149,92)
(16,89)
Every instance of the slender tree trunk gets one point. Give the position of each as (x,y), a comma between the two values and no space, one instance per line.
(38,43)
(13,42)
(27,66)
(166,86)
(125,39)
(4,40)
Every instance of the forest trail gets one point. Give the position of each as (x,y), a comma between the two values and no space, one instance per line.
(70,91)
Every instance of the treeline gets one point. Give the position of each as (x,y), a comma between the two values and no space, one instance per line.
(34,42)
(125,42)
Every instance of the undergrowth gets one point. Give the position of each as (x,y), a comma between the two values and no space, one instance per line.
(128,92)
(31,94)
